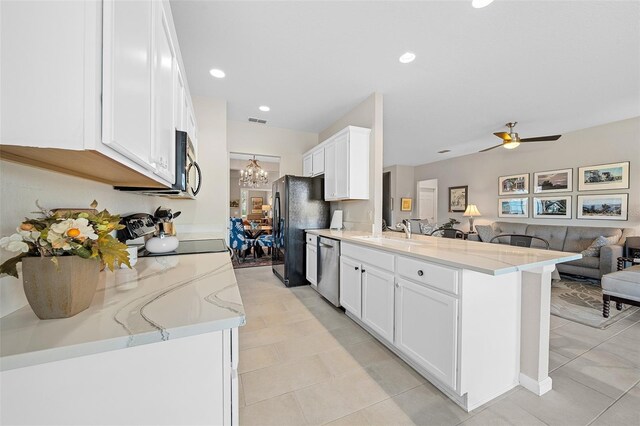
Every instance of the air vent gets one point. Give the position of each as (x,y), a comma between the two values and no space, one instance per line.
(257,120)
(444,151)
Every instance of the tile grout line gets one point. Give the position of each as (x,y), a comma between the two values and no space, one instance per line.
(304,416)
(612,404)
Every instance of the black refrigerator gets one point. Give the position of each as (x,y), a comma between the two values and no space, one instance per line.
(298,204)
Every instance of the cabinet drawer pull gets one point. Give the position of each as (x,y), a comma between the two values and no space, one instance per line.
(356,268)
(420,273)
(363,271)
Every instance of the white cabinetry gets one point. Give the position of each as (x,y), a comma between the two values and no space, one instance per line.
(312,259)
(426,329)
(377,300)
(307,165)
(108,107)
(318,161)
(126,79)
(351,285)
(346,165)
(163,83)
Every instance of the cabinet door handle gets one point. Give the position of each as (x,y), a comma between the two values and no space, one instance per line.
(356,268)
(363,271)
(420,273)
(397,285)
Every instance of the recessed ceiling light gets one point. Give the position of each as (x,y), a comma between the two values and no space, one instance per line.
(478,4)
(217,73)
(264,108)
(407,57)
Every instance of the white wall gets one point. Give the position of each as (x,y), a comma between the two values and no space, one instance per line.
(22,185)
(613,142)
(362,214)
(259,139)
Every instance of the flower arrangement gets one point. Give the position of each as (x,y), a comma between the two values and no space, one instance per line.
(85,234)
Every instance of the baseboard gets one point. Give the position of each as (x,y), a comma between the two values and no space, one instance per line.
(539,388)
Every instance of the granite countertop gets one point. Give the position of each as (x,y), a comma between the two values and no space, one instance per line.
(492,259)
(161,298)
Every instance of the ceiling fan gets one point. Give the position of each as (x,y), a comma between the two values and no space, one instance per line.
(511,139)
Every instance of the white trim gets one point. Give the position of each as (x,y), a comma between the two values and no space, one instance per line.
(539,388)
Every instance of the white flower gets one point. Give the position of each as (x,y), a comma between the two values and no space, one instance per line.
(58,241)
(30,236)
(81,224)
(14,243)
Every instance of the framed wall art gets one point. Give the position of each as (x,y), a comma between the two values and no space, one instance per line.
(603,207)
(406,204)
(552,207)
(553,181)
(458,197)
(603,177)
(513,207)
(514,184)
(256,204)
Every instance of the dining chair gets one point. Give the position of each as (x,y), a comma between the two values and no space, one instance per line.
(237,239)
(265,240)
(448,233)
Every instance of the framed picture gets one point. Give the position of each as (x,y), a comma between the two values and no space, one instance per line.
(603,177)
(458,196)
(552,207)
(256,204)
(514,184)
(603,207)
(553,181)
(406,204)
(513,207)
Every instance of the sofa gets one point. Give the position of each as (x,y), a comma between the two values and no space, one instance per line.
(572,239)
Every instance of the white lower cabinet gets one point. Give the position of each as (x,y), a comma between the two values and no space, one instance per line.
(351,285)
(312,264)
(377,300)
(426,329)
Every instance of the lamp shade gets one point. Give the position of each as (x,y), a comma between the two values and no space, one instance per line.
(472,210)
(266,207)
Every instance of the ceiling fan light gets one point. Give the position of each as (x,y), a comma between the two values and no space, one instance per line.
(511,145)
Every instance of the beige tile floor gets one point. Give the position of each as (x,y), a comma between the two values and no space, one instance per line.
(303,362)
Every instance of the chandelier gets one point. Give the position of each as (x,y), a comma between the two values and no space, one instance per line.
(253,175)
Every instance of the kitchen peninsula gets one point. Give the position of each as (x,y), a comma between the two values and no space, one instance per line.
(473,318)
(158,345)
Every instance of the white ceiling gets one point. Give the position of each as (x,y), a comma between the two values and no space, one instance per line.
(554,66)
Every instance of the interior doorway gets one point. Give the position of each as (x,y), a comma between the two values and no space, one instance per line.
(386,198)
(427,194)
(250,204)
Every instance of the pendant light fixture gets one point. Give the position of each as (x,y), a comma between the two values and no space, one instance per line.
(253,175)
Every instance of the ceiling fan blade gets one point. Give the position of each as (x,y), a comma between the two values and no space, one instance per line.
(541,138)
(503,135)
(493,147)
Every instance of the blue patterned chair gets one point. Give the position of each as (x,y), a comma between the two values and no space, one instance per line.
(237,240)
(263,241)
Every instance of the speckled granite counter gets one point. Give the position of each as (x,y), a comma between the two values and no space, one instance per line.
(162,298)
(493,259)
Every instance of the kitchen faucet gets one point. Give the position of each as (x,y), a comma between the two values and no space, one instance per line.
(405,226)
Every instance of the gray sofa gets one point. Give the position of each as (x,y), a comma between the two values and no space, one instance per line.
(571,239)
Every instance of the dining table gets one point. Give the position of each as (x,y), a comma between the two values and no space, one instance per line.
(254,232)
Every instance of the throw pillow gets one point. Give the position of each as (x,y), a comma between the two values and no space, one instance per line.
(594,249)
(427,229)
(485,232)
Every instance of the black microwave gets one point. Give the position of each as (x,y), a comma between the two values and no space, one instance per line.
(188,173)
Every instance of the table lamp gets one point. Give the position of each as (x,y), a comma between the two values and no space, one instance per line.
(266,208)
(471,212)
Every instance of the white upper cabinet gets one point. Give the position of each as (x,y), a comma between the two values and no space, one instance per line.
(100,90)
(346,165)
(307,165)
(126,78)
(163,107)
(318,161)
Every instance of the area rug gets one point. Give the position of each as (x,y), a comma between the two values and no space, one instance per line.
(580,300)
(250,262)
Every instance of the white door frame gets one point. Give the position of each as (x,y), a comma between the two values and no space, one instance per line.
(431,184)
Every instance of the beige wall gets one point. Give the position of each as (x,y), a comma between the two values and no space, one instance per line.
(289,145)
(402,186)
(362,214)
(613,142)
(22,185)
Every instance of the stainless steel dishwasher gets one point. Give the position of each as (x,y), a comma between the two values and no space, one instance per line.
(329,269)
